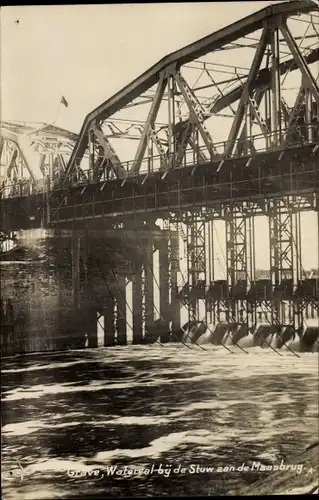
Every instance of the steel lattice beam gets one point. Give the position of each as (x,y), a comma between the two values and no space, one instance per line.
(285,262)
(196,262)
(240,260)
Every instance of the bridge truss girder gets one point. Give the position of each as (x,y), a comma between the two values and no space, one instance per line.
(176,132)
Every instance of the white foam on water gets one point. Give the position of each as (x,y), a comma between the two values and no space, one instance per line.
(271,455)
(166,443)
(265,416)
(212,367)
(28,427)
(270,432)
(137,420)
(22,428)
(57,465)
(259,398)
(51,366)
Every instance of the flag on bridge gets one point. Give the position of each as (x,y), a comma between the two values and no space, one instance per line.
(64,101)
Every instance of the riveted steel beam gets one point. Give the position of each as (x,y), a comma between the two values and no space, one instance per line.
(233,134)
(300,61)
(149,124)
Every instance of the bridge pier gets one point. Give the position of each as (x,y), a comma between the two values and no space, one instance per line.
(75,265)
(137,306)
(149,282)
(173,253)
(120,307)
(163,258)
(109,326)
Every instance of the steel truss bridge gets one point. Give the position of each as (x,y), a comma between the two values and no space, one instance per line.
(190,141)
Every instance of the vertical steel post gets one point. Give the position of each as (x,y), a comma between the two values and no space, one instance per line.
(121,330)
(75,258)
(173,270)
(163,262)
(210,305)
(240,257)
(137,305)
(308,116)
(149,281)
(277,262)
(109,326)
(171,120)
(196,263)
(91,152)
(285,261)
(275,86)
(173,258)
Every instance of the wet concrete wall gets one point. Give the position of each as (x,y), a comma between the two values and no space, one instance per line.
(51,296)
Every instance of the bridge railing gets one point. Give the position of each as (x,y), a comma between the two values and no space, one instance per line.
(254,145)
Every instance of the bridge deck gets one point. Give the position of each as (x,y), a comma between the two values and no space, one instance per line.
(241,179)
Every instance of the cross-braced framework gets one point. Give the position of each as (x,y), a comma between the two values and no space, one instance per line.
(240,264)
(285,261)
(196,262)
(172,232)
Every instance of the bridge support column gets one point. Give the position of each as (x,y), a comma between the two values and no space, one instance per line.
(137,299)
(196,263)
(285,261)
(163,261)
(89,318)
(312,297)
(109,326)
(75,265)
(240,260)
(175,306)
(317,210)
(149,282)
(82,317)
(210,276)
(121,329)
(87,289)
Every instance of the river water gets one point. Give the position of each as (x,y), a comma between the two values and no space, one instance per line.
(183,409)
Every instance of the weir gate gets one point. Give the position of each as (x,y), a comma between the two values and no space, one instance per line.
(133,241)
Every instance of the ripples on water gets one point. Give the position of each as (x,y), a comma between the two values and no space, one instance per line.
(139,406)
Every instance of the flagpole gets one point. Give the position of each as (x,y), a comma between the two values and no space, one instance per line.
(57,113)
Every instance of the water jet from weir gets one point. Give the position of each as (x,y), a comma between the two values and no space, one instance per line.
(262,335)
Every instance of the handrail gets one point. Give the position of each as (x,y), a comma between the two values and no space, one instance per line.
(29,187)
(87,175)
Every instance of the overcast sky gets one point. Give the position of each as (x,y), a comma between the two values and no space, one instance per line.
(87,53)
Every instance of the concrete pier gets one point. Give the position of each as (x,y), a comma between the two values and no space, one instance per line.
(69,278)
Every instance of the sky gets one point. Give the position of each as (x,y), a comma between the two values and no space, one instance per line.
(86,53)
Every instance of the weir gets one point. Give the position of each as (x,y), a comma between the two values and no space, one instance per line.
(132,246)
